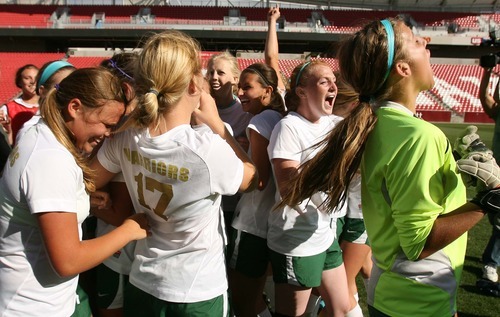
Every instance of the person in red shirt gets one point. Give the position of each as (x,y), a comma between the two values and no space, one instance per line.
(16,112)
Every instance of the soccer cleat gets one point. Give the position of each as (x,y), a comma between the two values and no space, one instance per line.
(487,287)
(490,273)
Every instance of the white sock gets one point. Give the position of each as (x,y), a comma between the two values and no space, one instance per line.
(355,312)
(356,297)
(264,313)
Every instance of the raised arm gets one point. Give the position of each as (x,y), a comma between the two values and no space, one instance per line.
(207,113)
(271,51)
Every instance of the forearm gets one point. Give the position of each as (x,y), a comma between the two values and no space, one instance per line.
(121,205)
(449,227)
(110,215)
(271,51)
(94,251)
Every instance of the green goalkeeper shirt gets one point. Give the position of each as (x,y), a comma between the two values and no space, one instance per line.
(408,180)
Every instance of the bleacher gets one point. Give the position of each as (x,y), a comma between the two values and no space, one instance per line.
(454,94)
(114,16)
(8,89)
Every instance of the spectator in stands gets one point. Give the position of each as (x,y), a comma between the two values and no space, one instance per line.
(44,198)
(177,175)
(491,105)
(20,110)
(414,201)
(301,237)
(248,253)
(49,75)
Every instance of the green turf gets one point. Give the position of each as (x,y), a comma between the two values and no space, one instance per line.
(470,302)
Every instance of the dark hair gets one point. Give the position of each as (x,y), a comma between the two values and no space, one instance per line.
(20,71)
(363,62)
(267,77)
(49,83)
(122,65)
(93,87)
(345,94)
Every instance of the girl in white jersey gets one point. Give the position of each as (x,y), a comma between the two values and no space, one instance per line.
(44,199)
(176,175)
(222,75)
(248,257)
(303,250)
(112,275)
(414,200)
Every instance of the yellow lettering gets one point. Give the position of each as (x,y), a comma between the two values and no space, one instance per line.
(184,174)
(135,158)
(126,151)
(147,163)
(161,169)
(172,171)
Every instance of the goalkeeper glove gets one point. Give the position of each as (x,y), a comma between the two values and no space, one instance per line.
(479,166)
(470,142)
(489,201)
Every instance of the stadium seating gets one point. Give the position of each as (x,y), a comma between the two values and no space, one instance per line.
(8,89)
(456,86)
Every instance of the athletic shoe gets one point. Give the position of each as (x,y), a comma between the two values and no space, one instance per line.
(490,273)
(488,287)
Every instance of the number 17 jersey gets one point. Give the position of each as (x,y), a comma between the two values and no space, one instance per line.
(177,179)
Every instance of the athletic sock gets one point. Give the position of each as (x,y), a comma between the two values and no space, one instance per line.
(356,297)
(355,312)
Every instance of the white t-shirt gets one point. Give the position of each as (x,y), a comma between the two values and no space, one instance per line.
(302,230)
(354,210)
(253,208)
(40,176)
(177,179)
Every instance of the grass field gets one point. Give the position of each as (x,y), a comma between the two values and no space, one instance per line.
(471,303)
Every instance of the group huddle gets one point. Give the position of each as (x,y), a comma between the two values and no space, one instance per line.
(205,185)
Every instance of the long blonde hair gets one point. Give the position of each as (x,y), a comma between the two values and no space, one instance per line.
(93,87)
(165,67)
(363,59)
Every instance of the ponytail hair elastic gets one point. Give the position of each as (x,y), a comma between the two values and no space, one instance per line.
(153,91)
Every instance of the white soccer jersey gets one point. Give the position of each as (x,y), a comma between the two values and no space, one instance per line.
(40,176)
(303,230)
(253,208)
(177,179)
